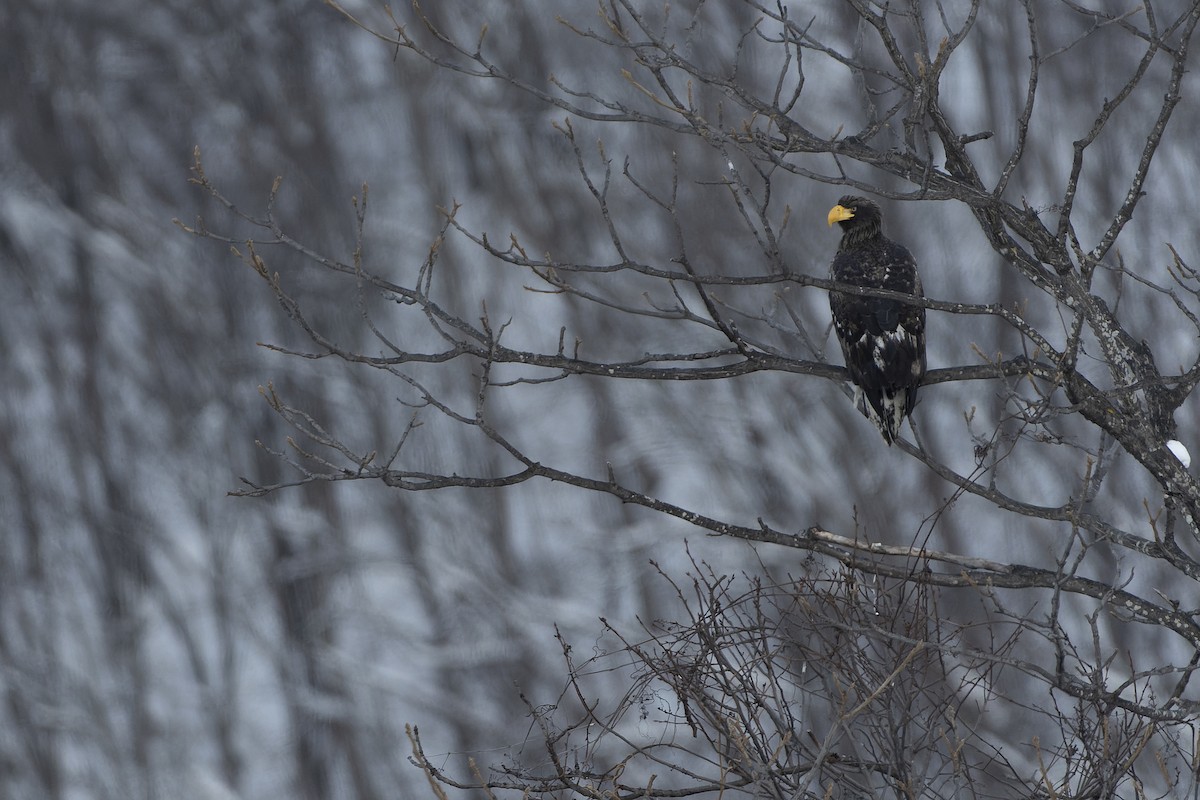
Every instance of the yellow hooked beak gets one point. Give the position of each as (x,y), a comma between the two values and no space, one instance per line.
(840,214)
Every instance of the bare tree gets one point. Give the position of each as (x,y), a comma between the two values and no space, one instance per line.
(869,667)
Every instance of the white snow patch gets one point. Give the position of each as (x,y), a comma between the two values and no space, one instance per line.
(1179,451)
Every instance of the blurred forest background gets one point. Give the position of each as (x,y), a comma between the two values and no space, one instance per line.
(159,638)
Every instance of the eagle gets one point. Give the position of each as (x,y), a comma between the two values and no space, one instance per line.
(883,339)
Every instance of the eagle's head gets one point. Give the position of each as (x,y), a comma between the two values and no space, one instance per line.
(859,217)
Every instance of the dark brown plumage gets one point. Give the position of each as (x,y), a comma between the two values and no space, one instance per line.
(883,340)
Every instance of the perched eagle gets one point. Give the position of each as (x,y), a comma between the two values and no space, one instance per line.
(883,340)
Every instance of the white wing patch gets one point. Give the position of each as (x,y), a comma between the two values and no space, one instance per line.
(893,405)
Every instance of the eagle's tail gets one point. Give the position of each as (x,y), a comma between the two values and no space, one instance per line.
(886,411)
